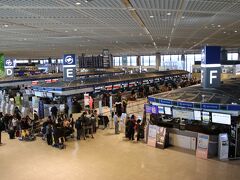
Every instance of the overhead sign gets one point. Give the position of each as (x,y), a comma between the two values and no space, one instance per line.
(211,67)
(69,67)
(9,67)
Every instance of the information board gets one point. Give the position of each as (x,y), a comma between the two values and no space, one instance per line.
(152,134)
(184,114)
(197,115)
(205,116)
(168,110)
(221,118)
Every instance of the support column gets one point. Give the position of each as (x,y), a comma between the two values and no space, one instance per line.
(158,61)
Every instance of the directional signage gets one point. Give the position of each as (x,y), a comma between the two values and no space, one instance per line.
(69,67)
(9,67)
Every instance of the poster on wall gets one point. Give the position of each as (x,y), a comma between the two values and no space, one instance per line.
(161,137)
(152,134)
(202,146)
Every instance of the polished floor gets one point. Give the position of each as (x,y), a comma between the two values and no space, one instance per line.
(106,157)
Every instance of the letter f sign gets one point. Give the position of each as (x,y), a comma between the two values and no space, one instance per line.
(212,76)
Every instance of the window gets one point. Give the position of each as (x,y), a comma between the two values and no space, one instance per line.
(198,57)
(21,61)
(232,56)
(152,61)
(148,60)
(132,60)
(117,61)
(190,58)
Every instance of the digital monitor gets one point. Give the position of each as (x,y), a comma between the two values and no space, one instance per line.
(205,116)
(160,109)
(39,94)
(50,95)
(183,113)
(221,118)
(168,110)
(197,115)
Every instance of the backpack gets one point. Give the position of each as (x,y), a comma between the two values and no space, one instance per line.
(78,124)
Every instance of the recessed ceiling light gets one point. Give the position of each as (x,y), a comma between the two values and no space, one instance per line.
(78,3)
(224,32)
(5,25)
(66,31)
(212,24)
(75,29)
(169,14)
(151,16)
(183,17)
(86,1)
(25,39)
(219,25)
(235,31)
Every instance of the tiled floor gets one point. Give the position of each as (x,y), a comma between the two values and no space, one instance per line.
(106,157)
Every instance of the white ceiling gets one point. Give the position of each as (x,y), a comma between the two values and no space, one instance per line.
(43,28)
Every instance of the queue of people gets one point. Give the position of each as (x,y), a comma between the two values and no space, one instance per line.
(17,126)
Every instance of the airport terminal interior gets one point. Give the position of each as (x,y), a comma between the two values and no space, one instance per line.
(120,89)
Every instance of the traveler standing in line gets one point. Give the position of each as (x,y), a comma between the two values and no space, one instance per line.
(116,123)
(2,127)
(66,109)
(78,126)
(132,128)
(54,112)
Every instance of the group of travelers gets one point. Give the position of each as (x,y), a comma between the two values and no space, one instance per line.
(58,128)
(17,126)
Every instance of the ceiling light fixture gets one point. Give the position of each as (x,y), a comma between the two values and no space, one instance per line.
(78,3)
(151,16)
(224,32)
(66,31)
(235,31)
(183,17)
(75,29)
(5,25)
(169,14)
(219,25)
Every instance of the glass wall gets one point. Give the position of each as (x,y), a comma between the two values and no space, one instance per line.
(232,56)
(148,60)
(117,61)
(132,60)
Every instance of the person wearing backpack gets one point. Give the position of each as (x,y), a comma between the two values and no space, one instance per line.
(2,127)
(78,126)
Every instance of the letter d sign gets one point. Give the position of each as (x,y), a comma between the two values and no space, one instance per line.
(9,72)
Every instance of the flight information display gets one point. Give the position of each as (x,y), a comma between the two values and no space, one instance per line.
(184,114)
(197,115)
(168,110)
(221,118)
(160,109)
(205,116)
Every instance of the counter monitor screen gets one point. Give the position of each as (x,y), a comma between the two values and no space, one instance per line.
(197,115)
(205,117)
(221,118)
(160,110)
(168,110)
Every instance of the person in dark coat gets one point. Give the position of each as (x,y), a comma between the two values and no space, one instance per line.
(54,112)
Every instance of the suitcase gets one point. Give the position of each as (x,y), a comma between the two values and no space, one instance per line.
(17,133)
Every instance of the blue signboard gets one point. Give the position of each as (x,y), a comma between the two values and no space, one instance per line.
(9,63)
(151,99)
(185,104)
(69,67)
(69,60)
(211,55)
(210,106)
(148,108)
(233,107)
(163,101)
